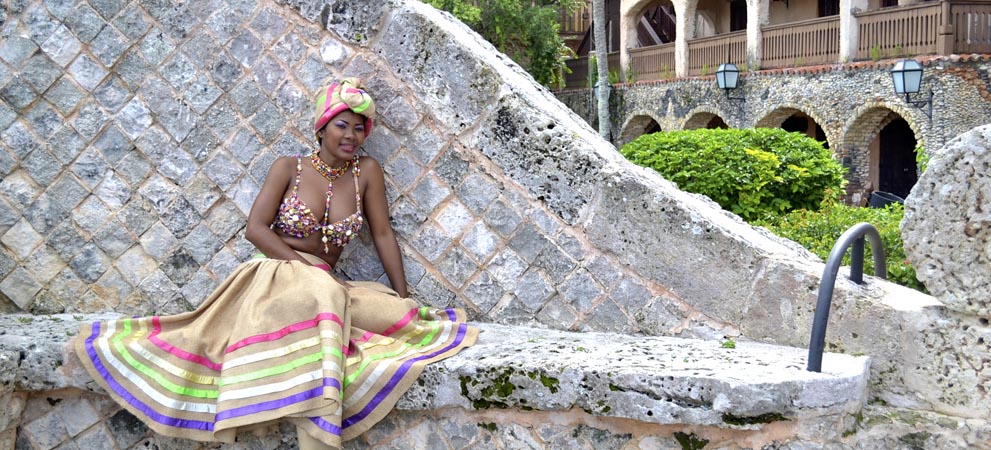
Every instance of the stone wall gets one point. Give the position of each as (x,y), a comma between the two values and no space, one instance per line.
(851,102)
(136,134)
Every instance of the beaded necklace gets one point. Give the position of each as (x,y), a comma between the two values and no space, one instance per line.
(331,174)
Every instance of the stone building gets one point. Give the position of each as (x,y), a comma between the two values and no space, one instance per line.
(814,66)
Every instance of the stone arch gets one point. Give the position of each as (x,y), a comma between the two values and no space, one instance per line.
(637,125)
(776,117)
(860,151)
(702,118)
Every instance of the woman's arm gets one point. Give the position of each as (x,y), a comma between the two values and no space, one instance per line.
(376,207)
(264,209)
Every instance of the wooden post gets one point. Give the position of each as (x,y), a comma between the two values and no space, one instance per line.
(945,37)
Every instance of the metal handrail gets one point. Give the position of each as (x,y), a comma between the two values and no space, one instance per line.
(854,236)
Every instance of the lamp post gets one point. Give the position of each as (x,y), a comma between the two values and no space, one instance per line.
(728,78)
(906,76)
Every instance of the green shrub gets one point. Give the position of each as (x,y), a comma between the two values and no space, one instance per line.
(753,172)
(819,230)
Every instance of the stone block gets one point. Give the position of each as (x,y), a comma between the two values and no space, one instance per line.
(201,244)
(223,263)
(64,95)
(19,189)
(112,288)
(533,289)
(20,139)
(268,25)
(40,72)
(91,214)
(947,227)
(131,22)
(18,93)
(65,239)
(456,266)
(44,263)
(557,314)
(42,167)
(108,46)
(156,46)
(67,144)
(90,119)
(137,215)
(126,429)
(112,93)
(502,218)
(22,239)
(90,263)
(480,241)
(246,48)
(507,267)
(17,49)
(87,73)
(38,23)
(20,288)
(580,290)
(403,170)
(454,218)
(47,431)
(244,194)
(429,193)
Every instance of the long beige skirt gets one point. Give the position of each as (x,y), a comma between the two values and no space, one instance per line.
(276,340)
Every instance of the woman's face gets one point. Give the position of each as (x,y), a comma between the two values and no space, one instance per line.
(342,136)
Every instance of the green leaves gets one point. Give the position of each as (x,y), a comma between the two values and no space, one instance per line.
(819,230)
(752,172)
(525,31)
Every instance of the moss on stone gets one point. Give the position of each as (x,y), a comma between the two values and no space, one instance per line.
(917,440)
(752,420)
(550,383)
(690,441)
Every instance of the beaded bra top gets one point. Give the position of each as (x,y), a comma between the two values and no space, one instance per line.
(295,218)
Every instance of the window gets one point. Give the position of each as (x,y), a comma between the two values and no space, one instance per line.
(738,15)
(829,7)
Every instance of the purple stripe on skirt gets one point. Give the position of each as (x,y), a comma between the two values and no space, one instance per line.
(387,389)
(279,403)
(132,400)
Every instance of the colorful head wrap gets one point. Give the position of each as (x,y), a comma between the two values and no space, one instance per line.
(343,95)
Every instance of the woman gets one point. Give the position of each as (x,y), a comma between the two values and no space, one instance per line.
(281,337)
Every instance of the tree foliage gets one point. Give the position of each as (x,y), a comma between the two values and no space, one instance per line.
(526,31)
(753,172)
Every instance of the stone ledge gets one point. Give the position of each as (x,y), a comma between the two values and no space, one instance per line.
(659,380)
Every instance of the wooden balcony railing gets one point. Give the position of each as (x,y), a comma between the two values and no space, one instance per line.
(971,25)
(709,52)
(808,42)
(932,28)
(895,32)
(652,63)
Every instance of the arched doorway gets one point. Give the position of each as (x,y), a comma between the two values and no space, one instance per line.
(704,119)
(799,122)
(897,170)
(636,127)
(716,122)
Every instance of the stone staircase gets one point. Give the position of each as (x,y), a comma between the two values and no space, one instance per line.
(646,388)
